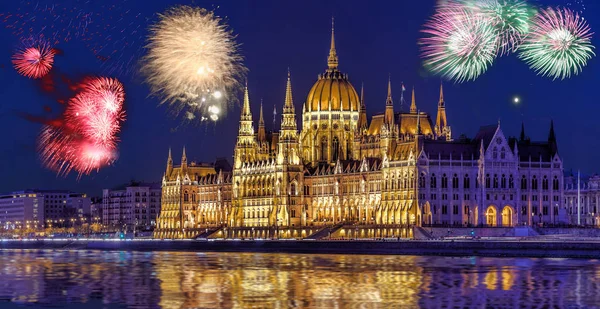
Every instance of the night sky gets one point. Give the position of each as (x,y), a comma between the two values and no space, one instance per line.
(373,39)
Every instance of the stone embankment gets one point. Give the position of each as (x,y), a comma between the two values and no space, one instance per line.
(517,247)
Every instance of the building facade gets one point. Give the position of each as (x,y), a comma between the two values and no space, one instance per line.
(133,206)
(400,168)
(584,211)
(37,209)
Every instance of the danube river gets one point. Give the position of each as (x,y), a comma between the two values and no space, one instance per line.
(37,278)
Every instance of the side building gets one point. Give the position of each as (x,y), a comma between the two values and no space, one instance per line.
(132,206)
(585,210)
(37,209)
(401,168)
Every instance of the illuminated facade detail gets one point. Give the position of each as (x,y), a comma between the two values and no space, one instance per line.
(401,168)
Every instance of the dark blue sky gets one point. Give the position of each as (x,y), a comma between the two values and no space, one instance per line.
(373,39)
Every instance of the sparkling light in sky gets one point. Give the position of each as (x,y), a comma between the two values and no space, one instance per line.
(192,61)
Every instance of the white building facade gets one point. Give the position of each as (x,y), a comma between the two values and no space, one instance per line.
(133,206)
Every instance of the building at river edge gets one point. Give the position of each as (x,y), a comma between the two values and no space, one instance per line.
(401,168)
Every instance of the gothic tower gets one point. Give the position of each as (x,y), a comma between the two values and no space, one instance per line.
(245,148)
(442,129)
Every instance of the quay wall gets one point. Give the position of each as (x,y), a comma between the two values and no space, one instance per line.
(556,249)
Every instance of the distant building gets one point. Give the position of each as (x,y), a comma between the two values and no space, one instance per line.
(96,210)
(589,193)
(133,205)
(35,208)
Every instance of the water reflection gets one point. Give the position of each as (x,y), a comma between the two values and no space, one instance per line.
(233,280)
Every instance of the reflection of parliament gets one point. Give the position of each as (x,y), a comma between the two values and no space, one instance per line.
(399,169)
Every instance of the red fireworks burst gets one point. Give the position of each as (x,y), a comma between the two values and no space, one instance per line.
(88,139)
(34,61)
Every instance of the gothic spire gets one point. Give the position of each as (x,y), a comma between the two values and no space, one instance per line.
(551,136)
(332,60)
(522,136)
(261,125)
(413,104)
(170,159)
(288,122)
(362,116)
(288,106)
(418,123)
(362,97)
(389,101)
(441,101)
(183,158)
(261,120)
(246,113)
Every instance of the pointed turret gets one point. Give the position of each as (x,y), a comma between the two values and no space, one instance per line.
(332,60)
(288,121)
(245,149)
(262,136)
(389,106)
(522,136)
(362,117)
(183,159)
(413,103)
(552,138)
(288,136)
(441,123)
(169,163)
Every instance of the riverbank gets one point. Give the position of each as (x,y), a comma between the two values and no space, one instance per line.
(490,248)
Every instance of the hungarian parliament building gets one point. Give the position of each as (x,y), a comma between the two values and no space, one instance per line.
(398,169)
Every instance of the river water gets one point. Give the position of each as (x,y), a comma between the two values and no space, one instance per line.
(94,279)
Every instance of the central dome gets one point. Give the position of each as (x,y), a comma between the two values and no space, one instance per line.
(332,91)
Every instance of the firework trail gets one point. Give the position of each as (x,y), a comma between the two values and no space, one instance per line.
(87,138)
(559,44)
(112,32)
(192,62)
(510,18)
(459,45)
(34,59)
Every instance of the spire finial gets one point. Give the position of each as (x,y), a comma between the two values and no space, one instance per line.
(261,120)
(441,102)
(413,103)
(289,103)
(170,158)
(332,60)
(389,92)
(551,135)
(246,106)
(362,96)
(184,156)
(522,136)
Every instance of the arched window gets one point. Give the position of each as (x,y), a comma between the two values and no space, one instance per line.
(524,183)
(545,183)
(444,181)
(411,181)
(534,183)
(193,196)
(466,182)
(422,181)
(495,153)
(186,196)
(433,181)
(324,148)
(555,183)
(335,147)
(503,182)
(293,189)
(503,153)
(455,181)
(495,181)
(487,181)
(511,182)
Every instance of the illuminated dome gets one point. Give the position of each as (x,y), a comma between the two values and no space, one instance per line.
(332,91)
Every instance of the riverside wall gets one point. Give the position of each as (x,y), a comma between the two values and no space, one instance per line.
(516,248)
